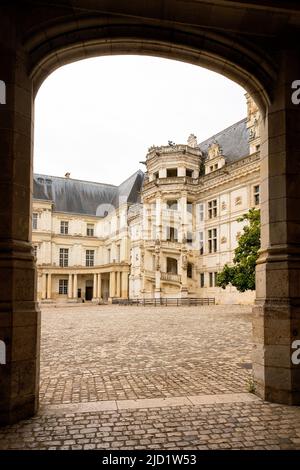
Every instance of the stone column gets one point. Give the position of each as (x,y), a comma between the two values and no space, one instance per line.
(70,287)
(75,289)
(49,286)
(99,286)
(276,322)
(112,289)
(124,291)
(95,287)
(118,293)
(43,286)
(158,217)
(183,208)
(183,273)
(19,313)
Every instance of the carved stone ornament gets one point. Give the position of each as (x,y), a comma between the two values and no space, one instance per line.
(214,150)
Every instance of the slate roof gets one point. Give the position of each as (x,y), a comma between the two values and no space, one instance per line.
(233,141)
(85,197)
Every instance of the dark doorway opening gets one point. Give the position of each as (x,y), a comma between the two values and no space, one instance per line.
(88,293)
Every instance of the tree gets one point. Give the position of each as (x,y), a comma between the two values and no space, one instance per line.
(242,274)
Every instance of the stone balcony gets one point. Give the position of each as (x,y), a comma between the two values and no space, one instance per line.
(170,277)
(181,180)
(166,245)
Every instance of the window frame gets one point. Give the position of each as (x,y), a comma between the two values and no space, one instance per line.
(212,239)
(256,194)
(212,208)
(35,217)
(89,258)
(63,286)
(201,212)
(90,227)
(64,227)
(63,257)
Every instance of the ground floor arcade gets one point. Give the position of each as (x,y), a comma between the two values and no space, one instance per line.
(85,284)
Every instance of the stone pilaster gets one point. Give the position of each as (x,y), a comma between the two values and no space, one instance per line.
(19,313)
(276,322)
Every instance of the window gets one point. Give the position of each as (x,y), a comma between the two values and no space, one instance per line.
(90,230)
(201,212)
(64,227)
(212,209)
(172,235)
(201,279)
(257,147)
(63,257)
(155,175)
(172,265)
(35,250)
(212,240)
(34,220)
(108,255)
(216,166)
(256,194)
(213,279)
(172,204)
(211,168)
(171,172)
(189,207)
(63,286)
(89,257)
(189,173)
(118,253)
(189,237)
(201,243)
(189,271)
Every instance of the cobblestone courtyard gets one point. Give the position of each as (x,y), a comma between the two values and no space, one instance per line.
(146,377)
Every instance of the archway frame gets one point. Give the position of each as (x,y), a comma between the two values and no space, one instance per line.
(29,56)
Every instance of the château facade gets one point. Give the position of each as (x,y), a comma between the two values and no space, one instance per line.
(163,233)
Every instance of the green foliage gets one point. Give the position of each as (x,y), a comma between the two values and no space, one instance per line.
(242,274)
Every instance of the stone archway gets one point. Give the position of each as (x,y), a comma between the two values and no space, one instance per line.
(34,41)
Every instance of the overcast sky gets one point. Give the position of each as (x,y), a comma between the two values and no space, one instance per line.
(96,118)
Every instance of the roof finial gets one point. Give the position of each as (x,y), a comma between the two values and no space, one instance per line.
(192,141)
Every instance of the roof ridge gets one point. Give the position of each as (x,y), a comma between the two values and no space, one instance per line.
(74,179)
(134,173)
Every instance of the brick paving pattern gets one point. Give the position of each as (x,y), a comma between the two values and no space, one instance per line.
(123,353)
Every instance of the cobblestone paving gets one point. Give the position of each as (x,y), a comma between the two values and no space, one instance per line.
(116,353)
(255,425)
